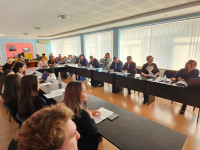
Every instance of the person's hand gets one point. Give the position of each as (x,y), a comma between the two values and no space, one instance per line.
(180,79)
(79,64)
(123,71)
(173,79)
(90,113)
(108,69)
(145,75)
(96,113)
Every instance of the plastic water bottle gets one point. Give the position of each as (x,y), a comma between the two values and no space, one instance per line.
(165,78)
(59,79)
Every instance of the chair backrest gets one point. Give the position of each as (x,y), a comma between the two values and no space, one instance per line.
(20,118)
(13,114)
(12,145)
(169,73)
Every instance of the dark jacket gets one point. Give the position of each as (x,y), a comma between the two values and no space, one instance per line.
(154,71)
(38,103)
(95,63)
(7,66)
(117,67)
(131,68)
(182,73)
(88,131)
(83,62)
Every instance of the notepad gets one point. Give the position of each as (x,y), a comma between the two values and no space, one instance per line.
(105,113)
(55,93)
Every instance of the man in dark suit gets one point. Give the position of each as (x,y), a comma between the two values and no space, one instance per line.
(94,62)
(116,65)
(130,67)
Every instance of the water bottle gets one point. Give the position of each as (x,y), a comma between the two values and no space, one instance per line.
(165,78)
(59,79)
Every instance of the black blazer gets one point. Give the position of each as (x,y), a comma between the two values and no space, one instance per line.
(88,130)
(131,69)
(118,68)
(154,71)
(83,62)
(95,63)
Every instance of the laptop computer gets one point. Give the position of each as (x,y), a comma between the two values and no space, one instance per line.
(44,76)
(194,82)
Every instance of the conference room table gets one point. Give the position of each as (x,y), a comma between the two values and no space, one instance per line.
(129,131)
(149,87)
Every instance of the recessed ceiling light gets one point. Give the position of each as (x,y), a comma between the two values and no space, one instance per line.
(25,33)
(2,34)
(37,28)
(63,17)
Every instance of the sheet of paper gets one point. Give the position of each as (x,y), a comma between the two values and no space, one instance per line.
(46,83)
(53,94)
(105,113)
(151,75)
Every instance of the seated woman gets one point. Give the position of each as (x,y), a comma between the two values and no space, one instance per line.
(42,62)
(19,69)
(29,100)
(50,128)
(20,58)
(75,95)
(51,61)
(4,75)
(184,74)
(150,67)
(11,92)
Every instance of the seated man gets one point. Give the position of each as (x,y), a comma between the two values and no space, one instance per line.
(130,67)
(106,61)
(94,62)
(49,128)
(116,65)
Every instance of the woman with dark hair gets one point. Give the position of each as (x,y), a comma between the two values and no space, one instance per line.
(19,69)
(11,92)
(4,75)
(29,100)
(184,74)
(75,95)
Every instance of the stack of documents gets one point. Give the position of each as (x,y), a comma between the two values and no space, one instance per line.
(105,113)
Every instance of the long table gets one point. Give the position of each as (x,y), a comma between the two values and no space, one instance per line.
(129,131)
(189,96)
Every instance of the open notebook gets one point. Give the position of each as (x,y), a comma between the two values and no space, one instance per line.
(105,113)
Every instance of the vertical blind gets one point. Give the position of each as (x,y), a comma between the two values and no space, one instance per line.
(98,44)
(66,46)
(171,44)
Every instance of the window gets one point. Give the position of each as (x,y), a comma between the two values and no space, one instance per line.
(98,44)
(66,46)
(171,44)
